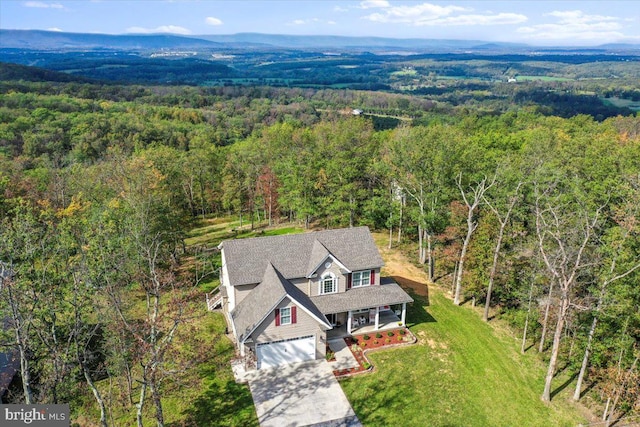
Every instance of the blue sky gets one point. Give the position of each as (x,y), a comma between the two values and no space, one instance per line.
(535,22)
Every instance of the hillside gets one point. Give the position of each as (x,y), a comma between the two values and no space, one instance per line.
(56,40)
(10,71)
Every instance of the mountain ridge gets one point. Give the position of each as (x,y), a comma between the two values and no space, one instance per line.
(56,40)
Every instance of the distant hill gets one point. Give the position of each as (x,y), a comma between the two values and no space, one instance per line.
(55,40)
(342,42)
(35,74)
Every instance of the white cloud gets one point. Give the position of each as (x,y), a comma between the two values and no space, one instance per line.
(427,14)
(575,25)
(173,29)
(498,19)
(54,29)
(340,9)
(43,5)
(332,22)
(213,21)
(374,4)
(309,21)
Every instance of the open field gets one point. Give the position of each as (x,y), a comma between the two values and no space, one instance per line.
(544,79)
(622,103)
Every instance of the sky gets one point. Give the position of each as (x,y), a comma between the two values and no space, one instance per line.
(541,22)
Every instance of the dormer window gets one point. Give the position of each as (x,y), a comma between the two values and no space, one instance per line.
(328,284)
(361,278)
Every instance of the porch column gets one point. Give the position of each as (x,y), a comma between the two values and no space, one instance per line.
(241,348)
(349,317)
(377,317)
(404,313)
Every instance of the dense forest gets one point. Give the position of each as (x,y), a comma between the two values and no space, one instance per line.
(529,208)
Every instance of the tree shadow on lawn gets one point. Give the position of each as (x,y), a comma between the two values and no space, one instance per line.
(564,385)
(223,403)
(418,288)
(375,411)
(417,312)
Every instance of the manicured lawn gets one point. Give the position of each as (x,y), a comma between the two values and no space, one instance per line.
(461,372)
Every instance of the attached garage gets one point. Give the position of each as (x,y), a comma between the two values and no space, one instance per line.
(281,352)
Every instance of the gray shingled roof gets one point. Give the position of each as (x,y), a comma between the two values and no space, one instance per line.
(361,298)
(264,298)
(291,254)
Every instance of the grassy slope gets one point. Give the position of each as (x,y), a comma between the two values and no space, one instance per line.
(461,372)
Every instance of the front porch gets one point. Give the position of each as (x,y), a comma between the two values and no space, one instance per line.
(387,320)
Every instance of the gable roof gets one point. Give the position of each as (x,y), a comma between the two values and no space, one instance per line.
(265,297)
(293,254)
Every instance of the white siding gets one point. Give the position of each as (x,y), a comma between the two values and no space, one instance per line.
(224,281)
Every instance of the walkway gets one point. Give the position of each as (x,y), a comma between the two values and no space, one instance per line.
(344,356)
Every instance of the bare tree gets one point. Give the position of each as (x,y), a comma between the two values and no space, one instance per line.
(563,239)
(472,201)
(503,220)
(617,270)
(20,316)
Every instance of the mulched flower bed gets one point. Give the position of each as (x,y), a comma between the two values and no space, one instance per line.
(361,344)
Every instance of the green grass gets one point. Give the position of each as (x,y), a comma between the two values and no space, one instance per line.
(461,372)
(209,395)
(404,72)
(544,78)
(211,232)
(621,103)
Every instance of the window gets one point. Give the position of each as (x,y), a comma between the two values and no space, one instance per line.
(328,284)
(361,278)
(285,316)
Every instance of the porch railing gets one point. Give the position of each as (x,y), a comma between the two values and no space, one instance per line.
(214,299)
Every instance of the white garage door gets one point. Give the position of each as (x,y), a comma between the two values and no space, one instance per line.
(286,351)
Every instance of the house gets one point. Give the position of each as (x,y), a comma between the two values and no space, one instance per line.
(283,296)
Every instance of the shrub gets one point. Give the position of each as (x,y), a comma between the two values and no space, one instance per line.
(375,342)
(402,332)
(366,365)
(330,354)
(378,335)
(366,337)
(363,344)
(388,340)
(390,333)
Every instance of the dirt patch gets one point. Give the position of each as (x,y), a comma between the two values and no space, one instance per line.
(403,272)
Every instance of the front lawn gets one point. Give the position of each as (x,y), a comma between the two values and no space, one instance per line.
(460,373)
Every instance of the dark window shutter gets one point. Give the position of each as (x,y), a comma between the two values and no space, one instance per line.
(373,277)
(277,317)
(294,312)
(349,281)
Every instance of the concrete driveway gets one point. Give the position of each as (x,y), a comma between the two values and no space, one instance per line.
(302,394)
